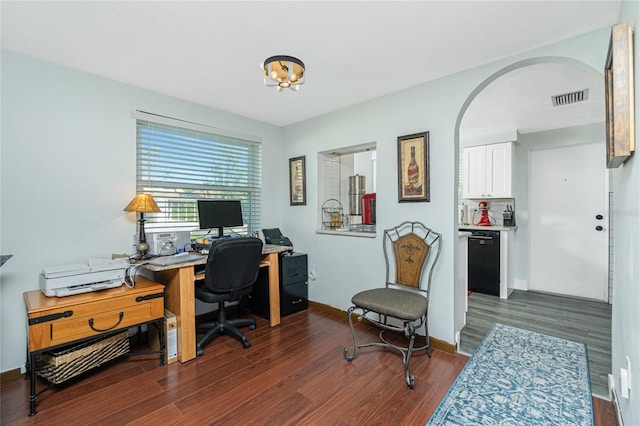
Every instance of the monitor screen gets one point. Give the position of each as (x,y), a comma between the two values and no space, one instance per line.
(219,214)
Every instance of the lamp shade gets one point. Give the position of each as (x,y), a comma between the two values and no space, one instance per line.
(283,72)
(143,203)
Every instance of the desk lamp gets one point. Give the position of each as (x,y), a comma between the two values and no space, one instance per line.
(142,203)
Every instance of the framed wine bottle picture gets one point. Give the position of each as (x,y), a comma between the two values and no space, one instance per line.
(413,167)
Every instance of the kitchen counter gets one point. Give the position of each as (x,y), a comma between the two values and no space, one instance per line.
(486,228)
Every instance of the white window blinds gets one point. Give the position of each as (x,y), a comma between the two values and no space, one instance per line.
(180,163)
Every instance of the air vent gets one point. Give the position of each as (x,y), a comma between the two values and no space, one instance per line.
(570,98)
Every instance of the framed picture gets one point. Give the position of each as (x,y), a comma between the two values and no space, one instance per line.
(297,182)
(618,79)
(413,167)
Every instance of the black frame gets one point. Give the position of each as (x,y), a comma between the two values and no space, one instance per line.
(297,182)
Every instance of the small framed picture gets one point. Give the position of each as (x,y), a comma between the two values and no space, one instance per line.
(297,182)
(413,167)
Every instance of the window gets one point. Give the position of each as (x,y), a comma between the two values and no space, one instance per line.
(180,162)
(335,169)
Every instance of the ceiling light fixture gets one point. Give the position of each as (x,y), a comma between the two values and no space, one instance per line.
(283,72)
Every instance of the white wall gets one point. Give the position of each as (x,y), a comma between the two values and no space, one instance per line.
(625,339)
(68,170)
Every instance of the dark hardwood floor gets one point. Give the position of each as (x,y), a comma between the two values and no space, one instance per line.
(292,374)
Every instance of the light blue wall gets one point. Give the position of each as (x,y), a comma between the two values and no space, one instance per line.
(625,338)
(346,265)
(68,169)
(68,156)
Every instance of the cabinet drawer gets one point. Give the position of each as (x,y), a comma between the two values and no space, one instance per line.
(80,327)
(294,298)
(63,320)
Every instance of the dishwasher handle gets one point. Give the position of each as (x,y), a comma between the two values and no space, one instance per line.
(480,237)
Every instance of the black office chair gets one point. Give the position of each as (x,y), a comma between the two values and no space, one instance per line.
(231,269)
(411,251)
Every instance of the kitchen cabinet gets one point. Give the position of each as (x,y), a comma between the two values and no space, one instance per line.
(486,171)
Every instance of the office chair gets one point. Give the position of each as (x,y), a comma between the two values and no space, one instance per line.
(231,269)
(410,253)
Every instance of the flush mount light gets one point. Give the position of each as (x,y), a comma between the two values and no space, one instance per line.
(283,72)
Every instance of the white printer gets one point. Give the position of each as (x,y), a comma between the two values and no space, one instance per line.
(67,280)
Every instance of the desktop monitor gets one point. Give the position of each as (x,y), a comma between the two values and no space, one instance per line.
(219,214)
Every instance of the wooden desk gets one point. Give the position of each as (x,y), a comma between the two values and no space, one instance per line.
(180,295)
(58,322)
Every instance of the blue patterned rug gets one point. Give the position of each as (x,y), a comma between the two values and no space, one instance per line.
(518,377)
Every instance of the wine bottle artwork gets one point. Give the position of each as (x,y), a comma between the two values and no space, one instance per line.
(413,167)
(413,185)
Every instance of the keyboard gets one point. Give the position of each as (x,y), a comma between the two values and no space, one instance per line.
(176,258)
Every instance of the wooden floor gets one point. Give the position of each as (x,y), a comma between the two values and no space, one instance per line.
(292,374)
(570,318)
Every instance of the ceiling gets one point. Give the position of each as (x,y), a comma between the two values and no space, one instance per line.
(209,52)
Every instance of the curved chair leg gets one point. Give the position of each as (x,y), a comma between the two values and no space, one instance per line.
(353,333)
(408,377)
(426,334)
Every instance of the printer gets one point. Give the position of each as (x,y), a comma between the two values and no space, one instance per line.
(67,280)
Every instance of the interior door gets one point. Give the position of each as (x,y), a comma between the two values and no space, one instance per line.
(568,242)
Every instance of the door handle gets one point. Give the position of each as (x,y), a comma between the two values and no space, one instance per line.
(599,228)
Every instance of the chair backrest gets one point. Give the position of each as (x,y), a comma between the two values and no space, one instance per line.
(233,264)
(410,252)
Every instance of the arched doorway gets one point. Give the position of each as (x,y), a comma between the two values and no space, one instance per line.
(499,108)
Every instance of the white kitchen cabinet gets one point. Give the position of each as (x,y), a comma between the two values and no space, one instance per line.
(487,171)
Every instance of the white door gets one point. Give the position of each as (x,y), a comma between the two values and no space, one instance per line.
(567,191)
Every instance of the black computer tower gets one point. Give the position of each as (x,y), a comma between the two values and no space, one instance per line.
(294,286)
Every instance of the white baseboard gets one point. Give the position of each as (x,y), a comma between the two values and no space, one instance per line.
(520,284)
(613,395)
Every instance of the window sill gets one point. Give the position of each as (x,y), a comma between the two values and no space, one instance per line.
(347,233)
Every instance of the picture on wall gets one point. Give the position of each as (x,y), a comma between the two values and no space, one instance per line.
(413,167)
(619,89)
(297,184)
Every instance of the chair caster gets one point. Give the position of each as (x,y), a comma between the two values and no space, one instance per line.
(246,344)
(199,352)
(252,327)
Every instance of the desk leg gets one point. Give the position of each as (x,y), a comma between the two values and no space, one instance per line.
(274,288)
(32,385)
(180,301)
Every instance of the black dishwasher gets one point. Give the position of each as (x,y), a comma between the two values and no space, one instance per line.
(484,262)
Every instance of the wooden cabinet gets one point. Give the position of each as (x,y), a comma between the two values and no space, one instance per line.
(60,322)
(487,171)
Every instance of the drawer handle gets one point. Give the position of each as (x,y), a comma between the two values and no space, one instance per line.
(106,329)
(293,302)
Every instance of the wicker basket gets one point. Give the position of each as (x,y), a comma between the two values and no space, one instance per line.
(60,366)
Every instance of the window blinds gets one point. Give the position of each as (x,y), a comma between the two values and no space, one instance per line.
(179,165)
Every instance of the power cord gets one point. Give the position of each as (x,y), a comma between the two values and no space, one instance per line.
(130,274)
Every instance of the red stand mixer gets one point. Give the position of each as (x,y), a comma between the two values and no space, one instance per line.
(483,206)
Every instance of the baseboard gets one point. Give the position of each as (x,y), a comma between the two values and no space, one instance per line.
(9,375)
(435,343)
(520,284)
(613,396)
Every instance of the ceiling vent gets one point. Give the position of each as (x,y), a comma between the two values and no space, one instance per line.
(570,98)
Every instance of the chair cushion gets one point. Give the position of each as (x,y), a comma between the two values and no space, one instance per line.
(392,302)
(203,293)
